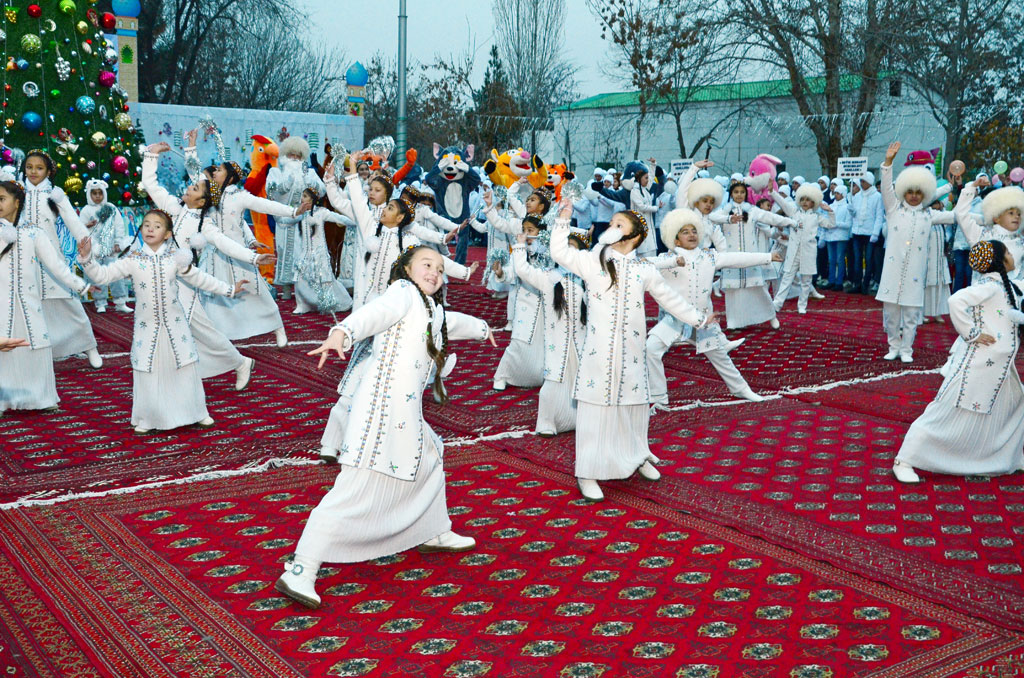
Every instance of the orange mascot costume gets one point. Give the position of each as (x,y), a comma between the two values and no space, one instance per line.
(262,158)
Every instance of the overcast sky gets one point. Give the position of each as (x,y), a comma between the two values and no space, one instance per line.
(446,26)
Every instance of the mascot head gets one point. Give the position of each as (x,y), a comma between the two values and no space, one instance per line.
(515,161)
(761,177)
(558,175)
(452,161)
(632,173)
(264,152)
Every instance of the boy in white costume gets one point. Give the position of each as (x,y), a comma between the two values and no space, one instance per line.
(802,253)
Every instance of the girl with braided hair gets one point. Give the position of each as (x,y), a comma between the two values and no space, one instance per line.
(612,392)
(163,355)
(251,314)
(316,288)
(390,493)
(26,373)
(975,425)
(68,325)
(194,226)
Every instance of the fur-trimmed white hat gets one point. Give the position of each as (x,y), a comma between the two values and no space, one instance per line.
(919,178)
(1000,200)
(294,144)
(704,187)
(809,190)
(674,222)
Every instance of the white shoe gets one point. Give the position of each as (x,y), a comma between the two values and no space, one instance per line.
(774,322)
(281,337)
(142,429)
(748,394)
(508,327)
(730,345)
(649,471)
(243,373)
(499,385)
(206,422)
(101,309)
(892,354)
(590,489)
(328,455)
(907,356)
(447,542)
(95,361)
(905,472)
(815,294)
(546,434)
(299,583)
(801,311)
(123,308)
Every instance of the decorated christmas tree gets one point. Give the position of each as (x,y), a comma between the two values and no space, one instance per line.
(61,94)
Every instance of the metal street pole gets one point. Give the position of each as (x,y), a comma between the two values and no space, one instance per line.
(402,36)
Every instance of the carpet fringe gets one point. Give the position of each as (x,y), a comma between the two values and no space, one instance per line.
(276,462)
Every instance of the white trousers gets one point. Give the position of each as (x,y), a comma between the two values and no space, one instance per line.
(901,324)
(658,383)
(787,282)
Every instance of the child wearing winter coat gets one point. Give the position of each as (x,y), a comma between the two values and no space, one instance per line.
(109,237)
(801,255)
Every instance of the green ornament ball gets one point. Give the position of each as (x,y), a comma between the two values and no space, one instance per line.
(31,43)
(54,92)
(67,7)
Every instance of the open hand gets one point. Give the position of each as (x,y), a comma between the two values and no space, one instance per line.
(451,235)
(7,343)
(335,342)
(704,164)
(239,287)
(985,340)
(159,147)
(85,247)
(265,259)
(890,154)
(473,268)
(777,257)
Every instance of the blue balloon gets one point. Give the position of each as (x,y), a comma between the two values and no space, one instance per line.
(32,121)
(85,105)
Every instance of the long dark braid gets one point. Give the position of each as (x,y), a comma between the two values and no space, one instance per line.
(1012,291)
(408,214)
(399,271)
(607,264)
(16,191)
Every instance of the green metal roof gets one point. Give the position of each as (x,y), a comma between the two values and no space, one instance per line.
(759,89)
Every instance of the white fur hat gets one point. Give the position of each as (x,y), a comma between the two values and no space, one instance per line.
(809,190)
(704,187)
(674,222)
(1000,200)
(919,178)
(294,144)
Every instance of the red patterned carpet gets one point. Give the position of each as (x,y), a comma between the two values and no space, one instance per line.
(776,544)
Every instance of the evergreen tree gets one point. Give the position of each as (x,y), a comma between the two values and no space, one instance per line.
(61,95)
(496,119)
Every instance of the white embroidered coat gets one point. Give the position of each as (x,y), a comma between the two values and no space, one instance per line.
(38,213)
(938,266)
(975,370)
(186,224)
(745,236)
(975,232)
(564,333)
(155,277)
(21,285)
(613,368)
(234,201)
(693,283)
(802,250)
(527,311)
(386,431)
(905,268)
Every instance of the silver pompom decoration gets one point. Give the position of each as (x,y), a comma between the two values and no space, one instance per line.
(382,146)
(573,191)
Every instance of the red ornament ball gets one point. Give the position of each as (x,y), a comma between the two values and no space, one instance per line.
(64,134)
(109,21)
(35,11)
(126,196)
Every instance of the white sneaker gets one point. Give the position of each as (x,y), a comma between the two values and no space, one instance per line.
(243,373)
(448,542)
(649,471)
(206,422)
(905,472)
(95,361)
(123,308)
(774,323)
(499,385)
(815,294)
(730,345)
(907,356)
(801,311)
(546,434)
(328,455)
(590,489)
(101,309)
(892,354)
(299,583)
(748,394)
(281,337)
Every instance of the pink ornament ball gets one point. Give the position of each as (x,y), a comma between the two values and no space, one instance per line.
(8,156)
(107,79)
(119,164)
